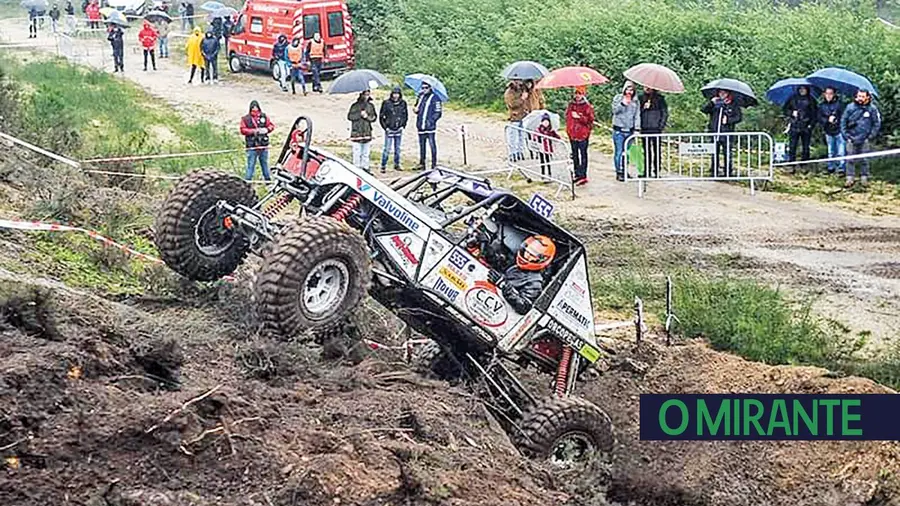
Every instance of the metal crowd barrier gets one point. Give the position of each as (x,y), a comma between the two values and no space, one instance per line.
(537,157)
(735,156)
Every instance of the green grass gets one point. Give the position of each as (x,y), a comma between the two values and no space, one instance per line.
(714,301)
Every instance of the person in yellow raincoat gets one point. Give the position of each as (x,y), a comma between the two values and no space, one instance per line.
(194,55)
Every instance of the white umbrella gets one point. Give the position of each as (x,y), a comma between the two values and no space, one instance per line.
(533,120)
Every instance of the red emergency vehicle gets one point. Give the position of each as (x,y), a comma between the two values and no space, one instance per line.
(260,22)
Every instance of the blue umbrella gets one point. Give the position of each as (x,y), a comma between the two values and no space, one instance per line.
(212,6)
(783,90)
(415,82)
(846,82)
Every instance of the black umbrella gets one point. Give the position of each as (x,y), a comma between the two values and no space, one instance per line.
(744,93)
(116,18)
(357,81)
(524,70)
(156,16)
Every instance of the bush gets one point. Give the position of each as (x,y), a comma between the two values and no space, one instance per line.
(466,44)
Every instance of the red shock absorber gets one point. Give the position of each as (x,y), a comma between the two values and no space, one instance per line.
(279,205)
(562,374)
(348,207)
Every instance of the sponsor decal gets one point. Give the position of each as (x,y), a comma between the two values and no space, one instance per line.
(361,186)
(541,206)
(454,278)
(396,211)
(576,287)
(486,305)
(458,259)
(584,349)
(402,245)
(573,313)
(446,290)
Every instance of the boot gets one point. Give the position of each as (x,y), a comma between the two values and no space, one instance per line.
(864,180)
(849,183)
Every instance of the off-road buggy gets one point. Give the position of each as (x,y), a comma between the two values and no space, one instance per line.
(423,247)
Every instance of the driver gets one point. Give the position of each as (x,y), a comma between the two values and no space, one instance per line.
(523,282)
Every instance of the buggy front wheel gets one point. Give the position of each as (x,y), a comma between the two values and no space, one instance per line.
(567,431)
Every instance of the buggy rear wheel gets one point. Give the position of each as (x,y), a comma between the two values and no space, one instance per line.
(315,276)
(189,233)
(566,431)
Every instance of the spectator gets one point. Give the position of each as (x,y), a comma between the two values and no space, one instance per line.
(516,99)
(84,6)
(32,22)
(93,15)
(626,120)
(829,113)
(579,123)
(280,57)
(800,110)
(216,28)
(210,49)
(256,127)
(315,54)
(362,115)
(724,115)
(428,111)
(163,30)
(296,56)
(546,153)
(189,14)
(536,100)
(859,125)
(227,28)
(115,37)
(393,117)
(182,13)
(54,18)
(70,17)
(654,116)
(195,55)
(147,36)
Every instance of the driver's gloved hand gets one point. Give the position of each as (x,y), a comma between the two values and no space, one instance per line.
(494,277)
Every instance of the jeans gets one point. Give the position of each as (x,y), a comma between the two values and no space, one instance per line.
(803,138)
(837,147)
(580,158)
(164,47)
(152,58)
(119,58)
(261,154)
(429,139)
(297,75)
(212,68)
(619,138)
(389,140)
(361,151)
(284,75)
(857,149)
(316,66)
(515,139)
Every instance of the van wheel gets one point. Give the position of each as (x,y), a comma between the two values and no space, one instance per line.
(234,64)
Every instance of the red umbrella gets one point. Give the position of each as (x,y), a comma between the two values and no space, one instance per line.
(571,77)
(655,76)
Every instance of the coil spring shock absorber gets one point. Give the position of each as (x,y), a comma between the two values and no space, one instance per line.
(562,374)
(279,205)
(348,207)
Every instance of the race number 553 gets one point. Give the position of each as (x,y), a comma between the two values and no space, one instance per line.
(541,206)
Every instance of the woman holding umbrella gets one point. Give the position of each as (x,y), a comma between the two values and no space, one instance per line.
(654,109)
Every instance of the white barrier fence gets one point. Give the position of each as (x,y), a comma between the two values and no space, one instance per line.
(537,157)
(735,156)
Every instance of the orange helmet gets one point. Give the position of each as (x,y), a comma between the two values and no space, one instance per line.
(535,253)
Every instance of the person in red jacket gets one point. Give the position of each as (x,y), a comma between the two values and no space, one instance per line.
(256,127)
(579,122)
(93,14)
(147,36)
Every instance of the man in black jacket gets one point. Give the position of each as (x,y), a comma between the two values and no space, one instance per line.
(724,115)
(114,36)
(830,111)
(654,116)
(393,117)
(800,110)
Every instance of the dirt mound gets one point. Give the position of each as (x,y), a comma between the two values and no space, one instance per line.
(123,406)
(736,473)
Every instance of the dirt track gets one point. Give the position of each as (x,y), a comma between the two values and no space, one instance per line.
(848,257)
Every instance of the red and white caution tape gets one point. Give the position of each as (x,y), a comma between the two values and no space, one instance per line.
(37,226)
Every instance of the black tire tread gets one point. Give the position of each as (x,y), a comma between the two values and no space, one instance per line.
(300,248)
(543,424)
(174,226)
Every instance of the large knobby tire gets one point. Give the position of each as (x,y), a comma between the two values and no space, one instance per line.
(189,238)
(566,431)
(431,360)
(316,275)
